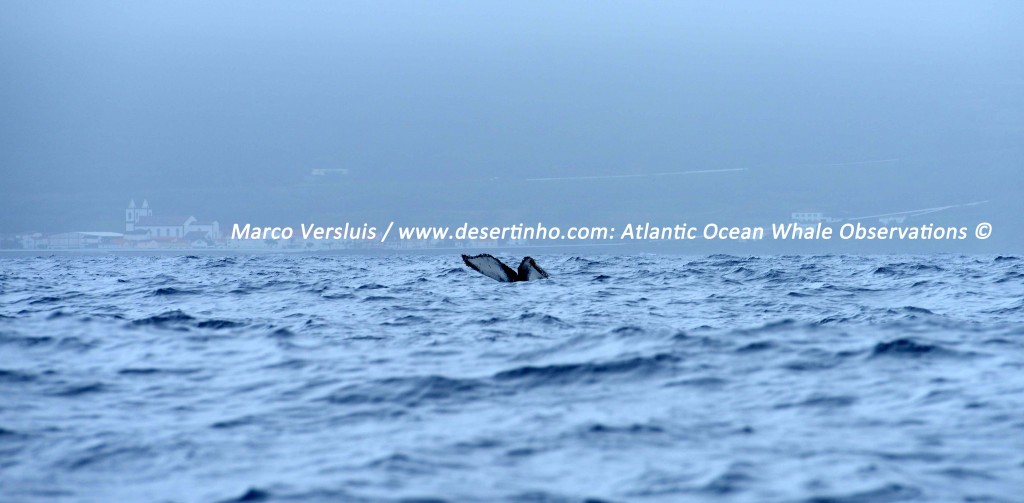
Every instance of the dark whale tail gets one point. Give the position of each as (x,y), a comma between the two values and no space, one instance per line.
(528,270)
(493,268)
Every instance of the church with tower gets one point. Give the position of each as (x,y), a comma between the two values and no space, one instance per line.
(133,214)
(140,223)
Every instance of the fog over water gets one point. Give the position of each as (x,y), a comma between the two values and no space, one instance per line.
(442,113)
(146,356)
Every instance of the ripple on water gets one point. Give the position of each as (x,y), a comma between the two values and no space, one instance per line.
(395,378)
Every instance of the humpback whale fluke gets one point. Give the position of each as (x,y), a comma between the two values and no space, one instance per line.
(491,267)
(528,269)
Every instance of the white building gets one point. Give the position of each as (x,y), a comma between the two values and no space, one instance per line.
(813,217)
(133,214)
(892,219)
(80,240)
(140,222)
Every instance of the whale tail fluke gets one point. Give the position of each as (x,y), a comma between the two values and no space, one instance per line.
(486,264)
(529,270)
(493,268)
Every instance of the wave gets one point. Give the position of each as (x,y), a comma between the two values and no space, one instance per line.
(562,374)
(907,348)
(380,378)
(164,319)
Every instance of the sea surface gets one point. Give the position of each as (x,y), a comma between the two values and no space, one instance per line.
(641,378)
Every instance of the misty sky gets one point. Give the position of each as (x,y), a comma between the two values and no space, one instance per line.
(442,110)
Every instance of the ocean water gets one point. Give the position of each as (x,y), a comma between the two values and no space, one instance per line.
(412,378)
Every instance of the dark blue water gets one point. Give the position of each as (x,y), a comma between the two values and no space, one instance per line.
(642,378)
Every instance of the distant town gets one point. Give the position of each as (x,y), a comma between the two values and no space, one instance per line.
(146,230)
(143,230)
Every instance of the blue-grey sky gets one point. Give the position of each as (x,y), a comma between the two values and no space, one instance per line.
(441,111)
